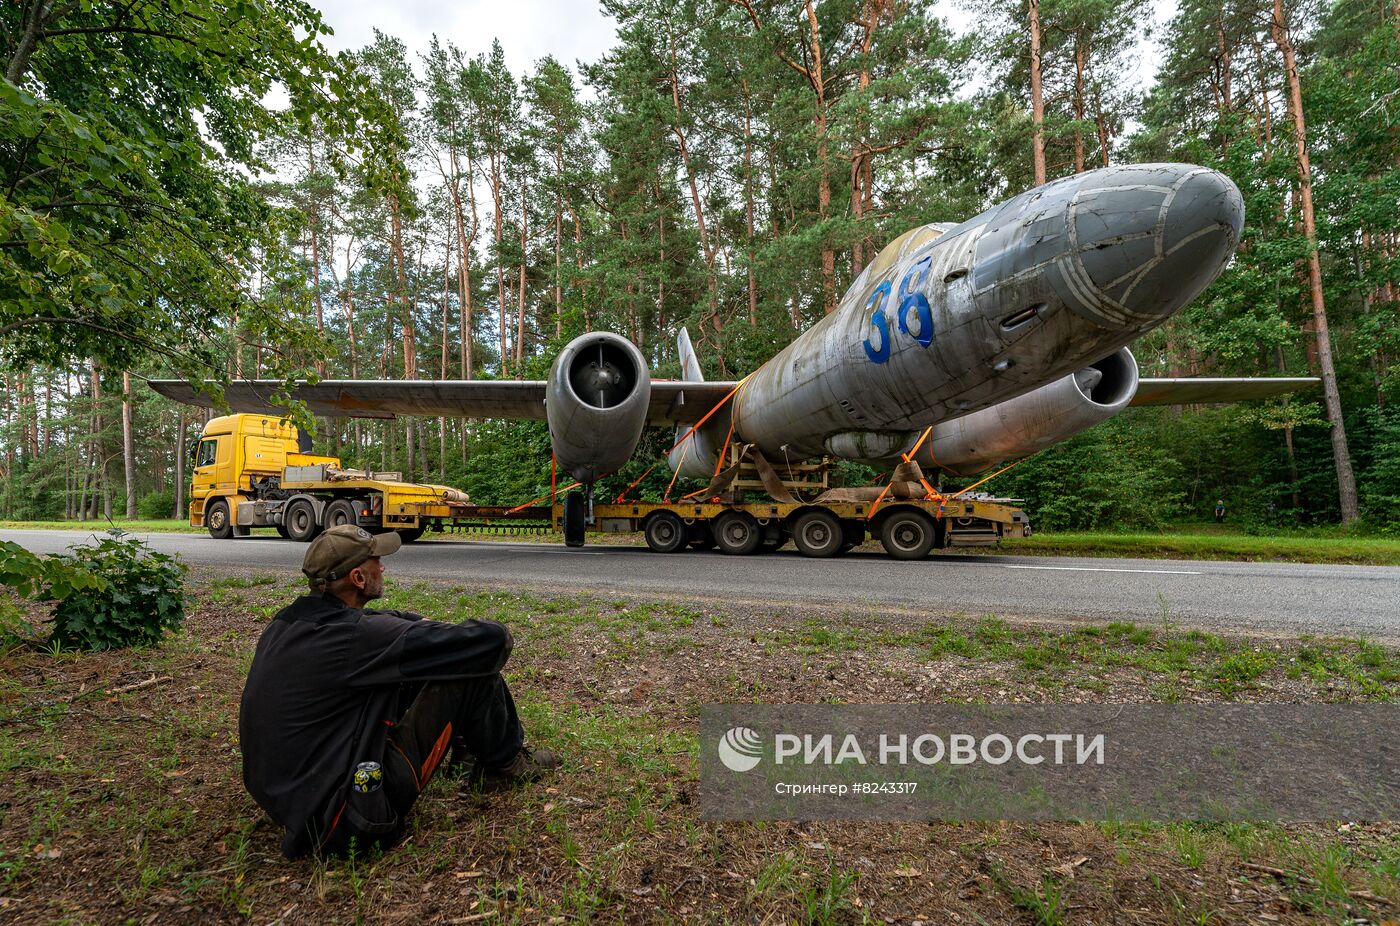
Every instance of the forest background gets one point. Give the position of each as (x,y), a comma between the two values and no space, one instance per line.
(727,167)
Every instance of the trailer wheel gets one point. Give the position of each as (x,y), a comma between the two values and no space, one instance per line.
(737,533)
(818,533)
(217,520)
(575,518)
(699,536)
(300,520)
(907,534)
(408,535)
(341,511)
(665,533)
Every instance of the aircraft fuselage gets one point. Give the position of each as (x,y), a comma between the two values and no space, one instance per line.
(948,320)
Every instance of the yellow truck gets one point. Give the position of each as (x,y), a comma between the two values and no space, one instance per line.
(257,471)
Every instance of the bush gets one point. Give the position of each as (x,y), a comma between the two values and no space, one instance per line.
(129,597)
(155,505)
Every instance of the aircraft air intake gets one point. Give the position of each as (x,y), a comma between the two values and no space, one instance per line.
(596,403)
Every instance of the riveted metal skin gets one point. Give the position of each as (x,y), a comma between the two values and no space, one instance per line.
(949,320)
(596,401)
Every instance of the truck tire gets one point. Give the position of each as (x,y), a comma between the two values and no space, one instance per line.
(818,533)
(665,532)
(217,520)
(300,521)
(907,534)
(410,534)
(737,533)
(341,511)
(575,519)
(282,531)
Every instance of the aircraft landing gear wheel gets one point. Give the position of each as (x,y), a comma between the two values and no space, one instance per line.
(700,536)
(907,534)
(216,518)
(818,533)
(341,511)
(737,533)
(575,515)
(300,520)
(665,533)
(410,534)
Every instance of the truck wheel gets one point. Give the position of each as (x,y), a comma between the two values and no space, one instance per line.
(818,533)
(665,533)
(700,536)
(282,531)
(575,517)
(341,511)
(737,533)
(216,518)
(300,521)
(409,535)
(907,534)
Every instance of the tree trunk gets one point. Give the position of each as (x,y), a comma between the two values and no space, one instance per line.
(500,267)
(818,81)
(180,451)
(1037,98)
(748,205)
(1081,54)
(1341,455)
(520,299)
(128,447)
(316,260)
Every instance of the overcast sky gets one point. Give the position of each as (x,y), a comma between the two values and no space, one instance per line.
(569,30)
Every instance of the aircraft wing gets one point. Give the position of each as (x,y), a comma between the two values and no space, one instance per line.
(1203,390)
(671,402)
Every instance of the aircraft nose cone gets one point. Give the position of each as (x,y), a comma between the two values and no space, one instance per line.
(1148,240)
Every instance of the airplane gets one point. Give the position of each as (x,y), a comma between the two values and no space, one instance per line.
(959,346)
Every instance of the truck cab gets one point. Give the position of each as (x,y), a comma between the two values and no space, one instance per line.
(236,457)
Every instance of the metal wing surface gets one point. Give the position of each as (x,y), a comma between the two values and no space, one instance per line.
(1211,390)
(671,402)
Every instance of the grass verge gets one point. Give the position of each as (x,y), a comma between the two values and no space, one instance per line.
(130,808)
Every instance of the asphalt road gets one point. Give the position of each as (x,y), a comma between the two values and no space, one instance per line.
(1282,598)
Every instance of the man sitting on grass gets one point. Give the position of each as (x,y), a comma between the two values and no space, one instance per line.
(334,686)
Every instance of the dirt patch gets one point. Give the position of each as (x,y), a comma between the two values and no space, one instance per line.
(129,807)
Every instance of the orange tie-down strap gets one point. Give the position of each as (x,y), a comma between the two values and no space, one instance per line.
(536,501)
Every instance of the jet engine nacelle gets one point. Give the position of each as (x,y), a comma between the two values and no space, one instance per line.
(1034,421)
(596,401)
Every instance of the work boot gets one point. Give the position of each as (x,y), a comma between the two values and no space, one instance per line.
(528,765)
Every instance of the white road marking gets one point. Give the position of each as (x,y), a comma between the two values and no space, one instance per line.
(1165,572)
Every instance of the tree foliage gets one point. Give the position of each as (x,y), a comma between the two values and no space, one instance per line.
(727,167)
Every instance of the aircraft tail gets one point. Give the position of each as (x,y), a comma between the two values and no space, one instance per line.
(696,456)
(690,364)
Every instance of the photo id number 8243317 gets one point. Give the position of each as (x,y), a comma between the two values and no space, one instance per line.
(884,787)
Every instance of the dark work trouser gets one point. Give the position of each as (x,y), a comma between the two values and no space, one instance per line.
(476,714)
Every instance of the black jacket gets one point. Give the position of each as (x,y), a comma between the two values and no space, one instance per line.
(324,680)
